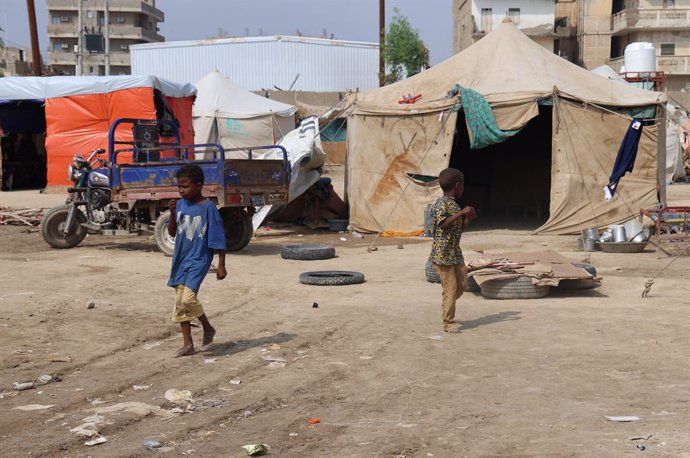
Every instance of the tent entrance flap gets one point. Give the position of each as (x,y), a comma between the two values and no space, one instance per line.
(509,183)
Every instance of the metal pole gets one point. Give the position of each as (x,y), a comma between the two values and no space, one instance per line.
(106,17)
(35,48)
(80,30)
(382,41)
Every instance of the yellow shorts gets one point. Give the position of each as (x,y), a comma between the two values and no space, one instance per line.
(187,306)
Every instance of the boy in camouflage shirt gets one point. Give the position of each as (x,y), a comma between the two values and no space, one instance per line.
(449,220)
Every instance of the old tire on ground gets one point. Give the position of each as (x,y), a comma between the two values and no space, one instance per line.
(580,283)
(431,275)
(54,221)
(238,228)
(513,288)
(307,252)
(165,242)
(331,278)
(472,285)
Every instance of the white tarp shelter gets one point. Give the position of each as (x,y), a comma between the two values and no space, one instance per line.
(225,113)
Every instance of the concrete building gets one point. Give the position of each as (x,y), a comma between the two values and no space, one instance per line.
(665,24)
(15,61)
(594,32)
(472,19)
(131,22)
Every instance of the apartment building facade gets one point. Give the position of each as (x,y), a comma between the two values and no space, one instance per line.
(473,19)
(131,22)
(665,24)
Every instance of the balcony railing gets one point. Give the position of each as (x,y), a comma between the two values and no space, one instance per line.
(633,19)
(116,31)
(670,65)
(135,6)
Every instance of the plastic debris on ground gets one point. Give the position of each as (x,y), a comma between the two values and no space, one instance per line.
(256,449)
(152,444)
(235,381)
(178,397)
(622,418)
(34,407)
(313,421)
(96,441)
(141,387)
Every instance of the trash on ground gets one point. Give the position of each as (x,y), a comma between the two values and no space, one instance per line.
(34,407)
(434,337)
(293,434)
(273,358)
(150,345)
(641,438)
(96,441)
(256,449)
(90,305)
(60,359)
(343,239)
(178,397)
(210,360)
(641,447)
(275,346)
(152,444)
(141,387)
(46,379)
(622,418)
(98,401)
(235,381)
(276,365)
(313,421)
(88,429)
(23,386)
(315,305)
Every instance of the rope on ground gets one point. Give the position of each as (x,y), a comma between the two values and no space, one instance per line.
(649,283)
(372,246)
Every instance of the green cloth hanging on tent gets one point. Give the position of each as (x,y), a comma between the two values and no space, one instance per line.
(484,130)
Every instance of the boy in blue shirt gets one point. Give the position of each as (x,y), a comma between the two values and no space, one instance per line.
(198,230)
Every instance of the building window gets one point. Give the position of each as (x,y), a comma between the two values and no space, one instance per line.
(57,47)
(669,3)
(487,14)
(668,49)
(514,15)
(55,20)
(120,19)
(89,14)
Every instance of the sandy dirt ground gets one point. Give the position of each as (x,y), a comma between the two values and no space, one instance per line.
(524,378)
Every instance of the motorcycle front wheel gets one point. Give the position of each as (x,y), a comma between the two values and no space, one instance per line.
(53,224)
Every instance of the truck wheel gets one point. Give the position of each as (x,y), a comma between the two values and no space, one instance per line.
(165,242)
(53,223)
(238,228)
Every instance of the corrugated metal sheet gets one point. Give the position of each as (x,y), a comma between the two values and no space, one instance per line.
(264,62)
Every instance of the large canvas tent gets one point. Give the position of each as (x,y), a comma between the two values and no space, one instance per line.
(575,119)
(77,112)
(225,113)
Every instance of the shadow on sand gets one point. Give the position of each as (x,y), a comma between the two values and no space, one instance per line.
(489,319)
(232,347)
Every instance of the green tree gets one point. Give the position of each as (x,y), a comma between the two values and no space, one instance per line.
(404,52)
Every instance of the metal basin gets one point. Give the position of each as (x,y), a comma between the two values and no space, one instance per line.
(622,247)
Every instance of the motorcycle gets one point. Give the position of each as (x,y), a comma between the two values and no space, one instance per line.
(66,226)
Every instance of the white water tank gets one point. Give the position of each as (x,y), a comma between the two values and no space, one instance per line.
(640,57)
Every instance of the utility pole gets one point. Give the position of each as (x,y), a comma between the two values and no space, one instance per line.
(382,41)
(106,17)
(80,48)
(35,48)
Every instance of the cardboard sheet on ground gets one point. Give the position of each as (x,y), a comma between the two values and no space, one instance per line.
(546,268)
(306,157)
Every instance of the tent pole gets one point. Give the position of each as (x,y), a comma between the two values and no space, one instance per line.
(661,153)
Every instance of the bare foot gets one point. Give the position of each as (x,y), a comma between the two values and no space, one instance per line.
(452,330)
(208,337)
(185,351)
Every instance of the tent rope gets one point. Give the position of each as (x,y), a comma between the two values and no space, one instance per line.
(441,129)
(649,283)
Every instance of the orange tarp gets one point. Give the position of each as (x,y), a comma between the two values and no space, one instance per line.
(80,124)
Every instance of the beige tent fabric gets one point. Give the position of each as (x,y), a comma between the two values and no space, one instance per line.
(513,73)
(383,151)
(506,66)
(585,145)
